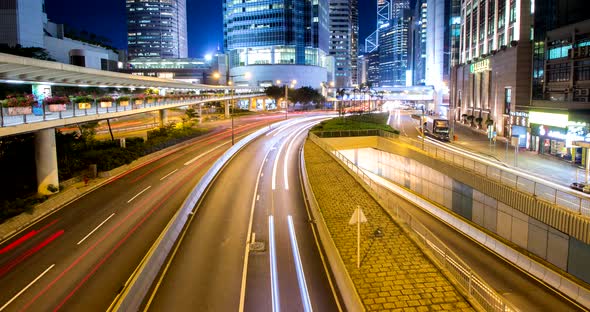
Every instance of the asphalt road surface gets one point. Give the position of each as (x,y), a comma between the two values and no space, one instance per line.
(525,292)
(78,258)
(250,245)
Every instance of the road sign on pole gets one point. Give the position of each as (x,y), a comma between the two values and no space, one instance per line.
(358,217)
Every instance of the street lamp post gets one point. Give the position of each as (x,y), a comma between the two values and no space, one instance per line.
(246,75)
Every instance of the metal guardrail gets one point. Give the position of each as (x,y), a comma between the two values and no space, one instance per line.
(72,110)
(472,285)
(142,279)
(560,196)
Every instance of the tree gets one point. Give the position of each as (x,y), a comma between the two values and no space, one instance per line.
(32,52)
(275,92)
(306,95)
(340,95)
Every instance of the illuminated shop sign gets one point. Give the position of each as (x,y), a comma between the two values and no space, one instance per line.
(519,114)
(549,119)
(571,136)
(481,66)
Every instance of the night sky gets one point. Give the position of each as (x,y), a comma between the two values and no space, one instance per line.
(205,27)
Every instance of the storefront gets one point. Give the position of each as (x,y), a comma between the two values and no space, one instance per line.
(554,134)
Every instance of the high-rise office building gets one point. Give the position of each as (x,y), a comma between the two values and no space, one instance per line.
(383,17)
(284,40)
(493,78)
(373,68)
(156,28)
(343,40)
(393,47)
(355,42)
(418,33)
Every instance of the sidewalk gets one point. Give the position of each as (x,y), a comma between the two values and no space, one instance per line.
(395,275)
(545,166)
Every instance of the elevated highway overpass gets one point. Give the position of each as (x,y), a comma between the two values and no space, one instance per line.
(41,120)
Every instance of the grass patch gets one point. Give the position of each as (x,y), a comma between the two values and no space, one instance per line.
(356,122)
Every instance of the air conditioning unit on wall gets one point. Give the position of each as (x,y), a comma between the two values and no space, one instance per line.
(581,92)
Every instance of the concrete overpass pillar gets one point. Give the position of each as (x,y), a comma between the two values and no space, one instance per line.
(264,104)
(46,161)
(253,104)
(163,117)
(227,104)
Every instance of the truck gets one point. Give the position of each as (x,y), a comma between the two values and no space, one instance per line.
(437,128)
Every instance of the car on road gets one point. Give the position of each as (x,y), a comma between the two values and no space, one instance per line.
(582,187)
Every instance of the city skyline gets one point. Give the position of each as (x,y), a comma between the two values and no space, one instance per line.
(200,42)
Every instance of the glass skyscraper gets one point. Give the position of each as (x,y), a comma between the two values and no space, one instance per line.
(343,40)
(259,33)
(393,45)
(156,28)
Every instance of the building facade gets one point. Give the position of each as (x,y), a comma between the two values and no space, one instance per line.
(344,40)
(373,68)
(156,28)
(393,50)
(560,122)
(551,14)
(25,23)
(491,84)
(276,40)
(418,33)
(192,70)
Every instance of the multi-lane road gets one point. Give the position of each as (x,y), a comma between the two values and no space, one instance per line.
(78,258)
(522,290)
(250,244)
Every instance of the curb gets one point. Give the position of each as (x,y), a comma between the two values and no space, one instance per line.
(348,292)
(60,200)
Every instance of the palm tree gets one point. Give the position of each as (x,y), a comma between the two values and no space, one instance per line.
(340,93)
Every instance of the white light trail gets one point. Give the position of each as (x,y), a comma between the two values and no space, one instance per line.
(299,267)
(286,161)
(250,234)
(276,305)
(205,153)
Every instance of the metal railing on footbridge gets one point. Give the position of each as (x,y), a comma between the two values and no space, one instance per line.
(14,116)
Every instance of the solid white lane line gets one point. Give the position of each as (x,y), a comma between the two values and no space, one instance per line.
(276,305)
(27,287)
(205,153)
(164,177)
(96,228)
(274,167)
(299,267)
(250,234)
(286,162)
(257,197)
(134,197)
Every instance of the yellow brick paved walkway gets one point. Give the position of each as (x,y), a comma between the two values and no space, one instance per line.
(394,275)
